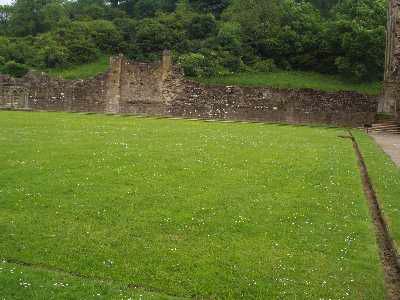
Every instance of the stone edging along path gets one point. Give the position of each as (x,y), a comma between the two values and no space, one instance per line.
(387,249)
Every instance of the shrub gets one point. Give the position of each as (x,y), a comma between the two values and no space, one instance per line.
(83,51)
(229,61)
(202,26)
(4,47)
(15,69)
(54,57)
(229,36)
(353,70)
(196,65)
(265,66)
(152,36)
(77,37)
(106,35)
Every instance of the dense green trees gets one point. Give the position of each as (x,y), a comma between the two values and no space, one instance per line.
(208,37)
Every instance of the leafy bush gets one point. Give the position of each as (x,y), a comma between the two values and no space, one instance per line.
(229,61)
(265,66)
(152,36)
(106,35)
(15,69)
(196,65)
(78,39)
(202,26)
(229,36)
(4,47)
(54,57)
(83,51)
(23,51)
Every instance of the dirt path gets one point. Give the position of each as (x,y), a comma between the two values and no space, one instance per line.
(390,143)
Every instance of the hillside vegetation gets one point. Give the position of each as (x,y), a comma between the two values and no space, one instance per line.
(295,80)
(209,38)
(276,79)
(83,71)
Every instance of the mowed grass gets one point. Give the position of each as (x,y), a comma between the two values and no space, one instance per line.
(296,80)
(183,209)
(83,71)
(385,176)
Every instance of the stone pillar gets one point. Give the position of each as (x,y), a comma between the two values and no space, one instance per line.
(166,64)
(390,102)
(113,94)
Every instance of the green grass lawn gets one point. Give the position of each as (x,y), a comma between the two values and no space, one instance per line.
(296,80)
(183,209)
(385,176)
(83,71)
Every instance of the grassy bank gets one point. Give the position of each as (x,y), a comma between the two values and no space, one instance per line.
(82,71)
(385,176)
(295,80)
(280,79)
(181,208)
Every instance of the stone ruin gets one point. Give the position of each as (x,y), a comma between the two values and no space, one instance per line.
(390,102)
(161,89)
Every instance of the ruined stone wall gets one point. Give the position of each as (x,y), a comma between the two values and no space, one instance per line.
(275,105)
(41,92)
(390,102)
(161,89)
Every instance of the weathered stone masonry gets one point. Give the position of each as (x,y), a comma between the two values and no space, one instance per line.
(161,89)
(390,102)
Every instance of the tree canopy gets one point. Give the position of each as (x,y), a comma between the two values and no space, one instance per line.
(208,37)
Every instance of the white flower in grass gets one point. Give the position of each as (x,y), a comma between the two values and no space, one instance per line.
(108,263)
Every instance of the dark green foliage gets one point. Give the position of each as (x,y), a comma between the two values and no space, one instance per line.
(214,6)
(229,37)
(14,69)
(337,37)
(356,38)
(152,36)
(323,5)
(5,12)
(106,35)
(194,65)
(29,17)
(4,47)
(202,26)
(265,66)
(51,54)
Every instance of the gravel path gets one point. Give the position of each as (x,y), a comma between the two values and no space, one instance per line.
(390,143)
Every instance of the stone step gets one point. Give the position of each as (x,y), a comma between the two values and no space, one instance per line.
(385,127)
(386,131)
(387,123)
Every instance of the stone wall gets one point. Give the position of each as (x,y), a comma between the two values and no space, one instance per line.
(390,102)
(161,89)
(40,92)
(275,105)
